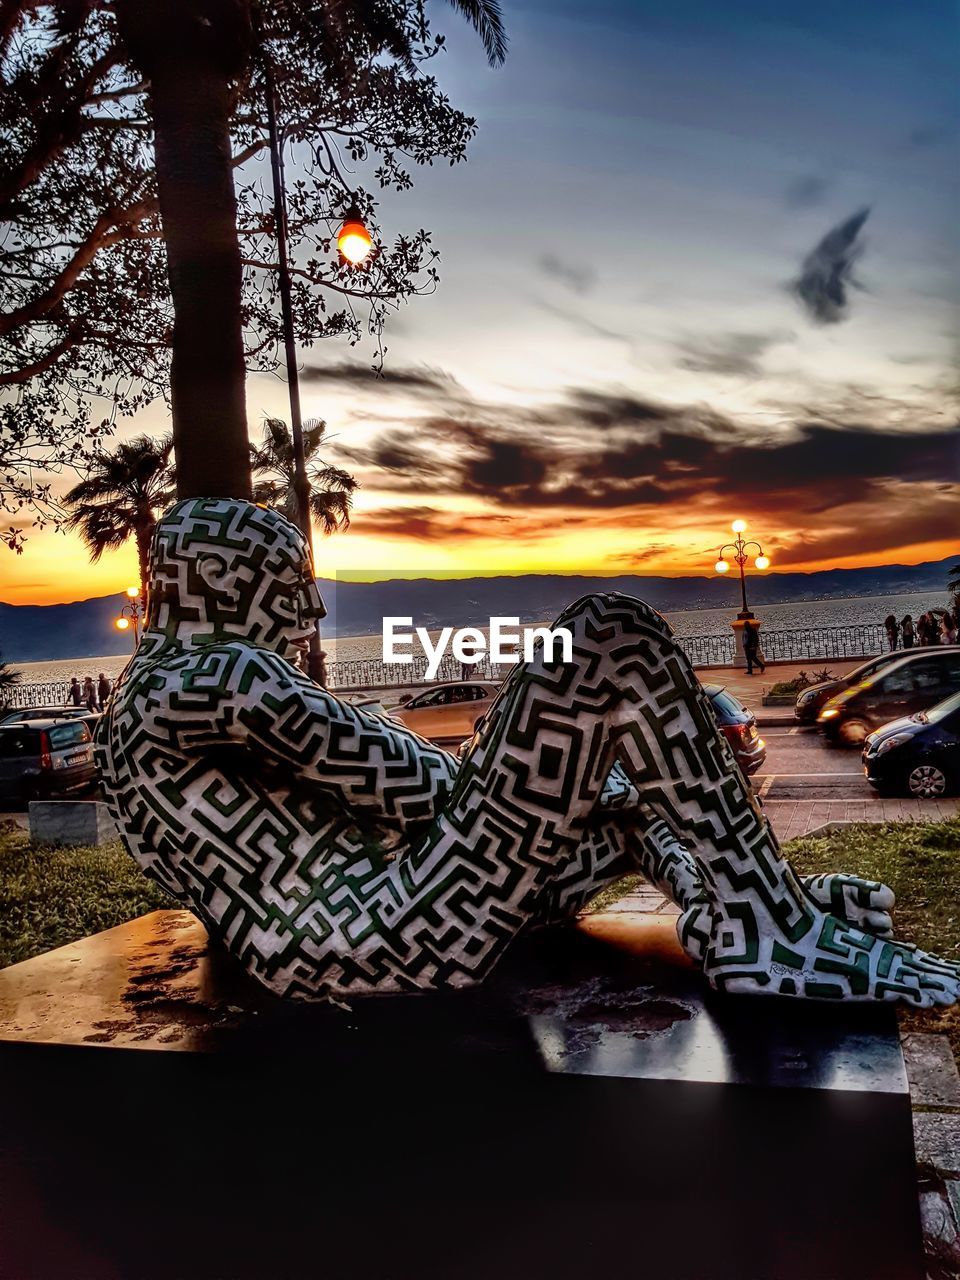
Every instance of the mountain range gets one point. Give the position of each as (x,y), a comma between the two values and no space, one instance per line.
(38,633)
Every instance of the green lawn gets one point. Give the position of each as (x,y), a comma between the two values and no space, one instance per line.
(49,897)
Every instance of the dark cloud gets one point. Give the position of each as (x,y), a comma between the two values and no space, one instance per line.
(597,451)
(347,373)
(577,277)
(827,272)
(729,355)
(887,516)
(806,192)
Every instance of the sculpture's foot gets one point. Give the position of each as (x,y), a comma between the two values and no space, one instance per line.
(864,903)
(833,961)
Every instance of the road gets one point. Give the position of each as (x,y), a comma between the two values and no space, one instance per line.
(799,766)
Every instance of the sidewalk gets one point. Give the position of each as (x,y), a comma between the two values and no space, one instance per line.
(750,689)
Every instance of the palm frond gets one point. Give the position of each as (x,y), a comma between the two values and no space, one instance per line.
(486,18)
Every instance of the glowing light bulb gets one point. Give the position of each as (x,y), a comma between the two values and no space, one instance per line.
(353,239)
(133,592)
(721,566)
(122,624)
(762,562)
(738,526)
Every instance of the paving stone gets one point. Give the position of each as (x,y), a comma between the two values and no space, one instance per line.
(936,1135)
(931,1070)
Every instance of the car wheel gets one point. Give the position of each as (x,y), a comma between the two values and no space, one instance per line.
(926,782)
(853,732)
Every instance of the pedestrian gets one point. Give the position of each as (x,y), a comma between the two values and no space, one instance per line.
(948,628)
(892,630)
(906,630)
(103,691)
(751,647)
(927,629)
(89,693)
(75,693)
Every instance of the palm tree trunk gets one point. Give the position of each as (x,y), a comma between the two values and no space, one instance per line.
(189,49)
(144,536)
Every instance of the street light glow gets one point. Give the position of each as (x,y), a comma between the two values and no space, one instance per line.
(762,562)
(738,526)
(721,566)
(122,624)
(133,592)
(353,239)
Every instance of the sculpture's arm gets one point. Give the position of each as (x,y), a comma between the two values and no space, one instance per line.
(241,694)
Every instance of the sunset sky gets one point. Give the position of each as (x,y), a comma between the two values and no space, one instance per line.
(702,262)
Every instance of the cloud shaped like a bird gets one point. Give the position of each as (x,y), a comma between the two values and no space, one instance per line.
(826,276)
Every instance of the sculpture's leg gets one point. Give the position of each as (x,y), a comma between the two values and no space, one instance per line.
(671,867)
(767,935)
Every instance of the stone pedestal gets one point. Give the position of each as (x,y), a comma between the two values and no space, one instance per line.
(738,659)
(71,822)
(587,1111)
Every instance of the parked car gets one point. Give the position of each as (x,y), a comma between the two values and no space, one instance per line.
(450,710)
(919,754)
(42,758)
(50,713)
(915,683)
(811,700)
(739,727)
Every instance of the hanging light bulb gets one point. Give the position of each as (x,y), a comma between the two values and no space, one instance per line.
(721,566)
(353,239)
(122,624)
(133,592)
(762,562)
(738,526)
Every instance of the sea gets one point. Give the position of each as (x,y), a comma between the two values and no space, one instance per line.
(850,611)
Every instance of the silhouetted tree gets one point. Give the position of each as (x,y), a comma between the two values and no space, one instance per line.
(137,225)
(331,488)
(120,498)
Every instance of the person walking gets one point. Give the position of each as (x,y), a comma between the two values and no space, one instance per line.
(751,647)
(75,693)
(948,628)
(893,632)
(906,630)
(89,693)
(103,691)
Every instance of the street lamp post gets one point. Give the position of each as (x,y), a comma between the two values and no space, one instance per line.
(131,614)
(741,555)
(742,551)
(354,243)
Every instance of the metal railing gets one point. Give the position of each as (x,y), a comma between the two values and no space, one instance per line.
(801,644)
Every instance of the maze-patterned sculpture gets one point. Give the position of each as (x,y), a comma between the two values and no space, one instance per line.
(336,853)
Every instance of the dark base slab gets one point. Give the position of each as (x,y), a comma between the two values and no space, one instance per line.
(586,1111)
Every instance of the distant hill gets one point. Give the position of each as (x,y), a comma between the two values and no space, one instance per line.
(38,633)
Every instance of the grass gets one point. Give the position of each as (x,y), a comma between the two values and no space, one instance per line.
(51,896)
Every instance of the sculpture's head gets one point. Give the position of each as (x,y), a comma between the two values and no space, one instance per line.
(223,569)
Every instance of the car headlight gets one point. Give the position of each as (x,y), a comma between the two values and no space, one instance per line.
(896,740)
(829,713)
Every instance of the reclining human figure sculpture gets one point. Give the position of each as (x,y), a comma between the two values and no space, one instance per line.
(335,853)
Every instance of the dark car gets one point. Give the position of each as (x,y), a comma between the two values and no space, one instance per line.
(42,758)
(917,682)
(811,700)
(50,713)
(739,727)
(919,754)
